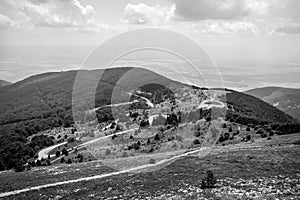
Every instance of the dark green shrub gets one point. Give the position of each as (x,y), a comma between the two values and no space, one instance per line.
(209,181)
(152,161)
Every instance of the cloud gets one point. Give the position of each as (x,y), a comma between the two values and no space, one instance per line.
(208,9)
(6,22)
(289,29)
(286,9)
(67,13)
(145,14)
(30,14)
(239,27)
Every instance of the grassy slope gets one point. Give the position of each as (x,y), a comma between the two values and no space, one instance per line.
(263,165)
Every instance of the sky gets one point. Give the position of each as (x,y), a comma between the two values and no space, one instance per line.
(254,43)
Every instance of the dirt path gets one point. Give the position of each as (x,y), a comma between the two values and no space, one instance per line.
(170,160)
(44,152)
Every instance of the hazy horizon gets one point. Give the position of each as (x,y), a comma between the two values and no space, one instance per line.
(16,66)
(253,43)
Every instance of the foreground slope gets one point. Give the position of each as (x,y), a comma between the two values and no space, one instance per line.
(264,169)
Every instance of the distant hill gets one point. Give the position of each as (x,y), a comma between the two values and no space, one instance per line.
(4,83)
(45,101)
(285,99)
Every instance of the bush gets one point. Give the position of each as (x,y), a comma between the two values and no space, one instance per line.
(152,161)
(81,157)
(248,138)
(230,129)
(248,128)
(57,153)
(196,141)
(269,138)
(209,181)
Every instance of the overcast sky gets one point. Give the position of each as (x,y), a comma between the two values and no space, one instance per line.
(234,32)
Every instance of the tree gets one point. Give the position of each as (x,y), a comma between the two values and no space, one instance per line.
(156,137)
(69,161)
(230,129)
(38,163)
(57,153)
(62,160)
(196,141)
(81,157)
(226,136)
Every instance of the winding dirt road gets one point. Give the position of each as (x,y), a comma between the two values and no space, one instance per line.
(169,160)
